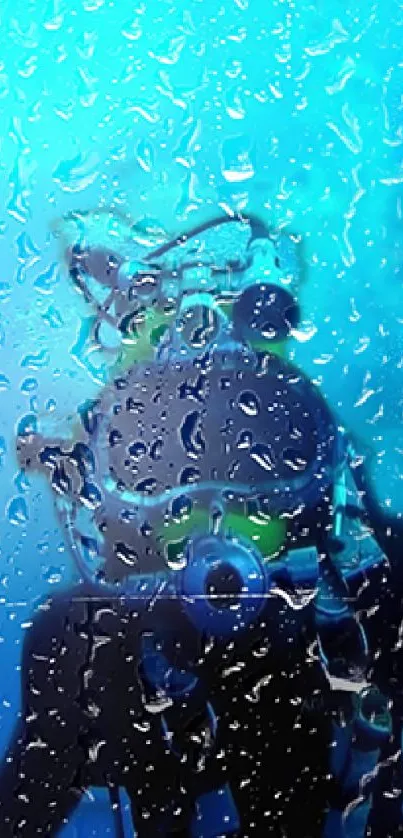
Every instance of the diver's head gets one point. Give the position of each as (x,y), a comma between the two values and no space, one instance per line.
(183,293)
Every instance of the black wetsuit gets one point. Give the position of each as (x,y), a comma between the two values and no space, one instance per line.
(83,723)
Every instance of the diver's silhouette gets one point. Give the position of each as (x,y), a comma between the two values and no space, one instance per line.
(174,695)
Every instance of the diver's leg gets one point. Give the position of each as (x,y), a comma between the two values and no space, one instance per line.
(40,776)
(37,786)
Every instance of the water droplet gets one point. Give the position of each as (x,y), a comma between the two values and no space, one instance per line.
(53,318)
(27,252)
(244,440)
(234,105)
(181,508)
(90,495)
(21,482)
(293,459)
(84,458)
(191,435)
(146,529)
(132,30)
(52,575)
(17,511)
(29,385)
(83,352)
(115,437)
(90,550)
(137,450)
(61,481)
(20,177)
(145,155)
(262,455)
(134,406)
(236,163)
(169,51)
(92,5)
(4,86)
(28,424)
(175,552)
(47,280)
(77,174)
(198,326)
(189,475)
(126,554)
(249,403)
(3,450)
(36,362)
(5,290)
(193,391)
(147,486)
(156,449)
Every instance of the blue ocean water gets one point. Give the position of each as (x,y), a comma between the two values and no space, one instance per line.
(290,109)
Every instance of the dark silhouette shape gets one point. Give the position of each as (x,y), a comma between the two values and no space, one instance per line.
(83,722)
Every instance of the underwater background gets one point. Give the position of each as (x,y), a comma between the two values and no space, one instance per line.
(157,108)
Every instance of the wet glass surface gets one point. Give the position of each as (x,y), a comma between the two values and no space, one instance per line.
(200,424)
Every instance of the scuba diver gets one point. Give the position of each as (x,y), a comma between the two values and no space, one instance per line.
(219,658)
